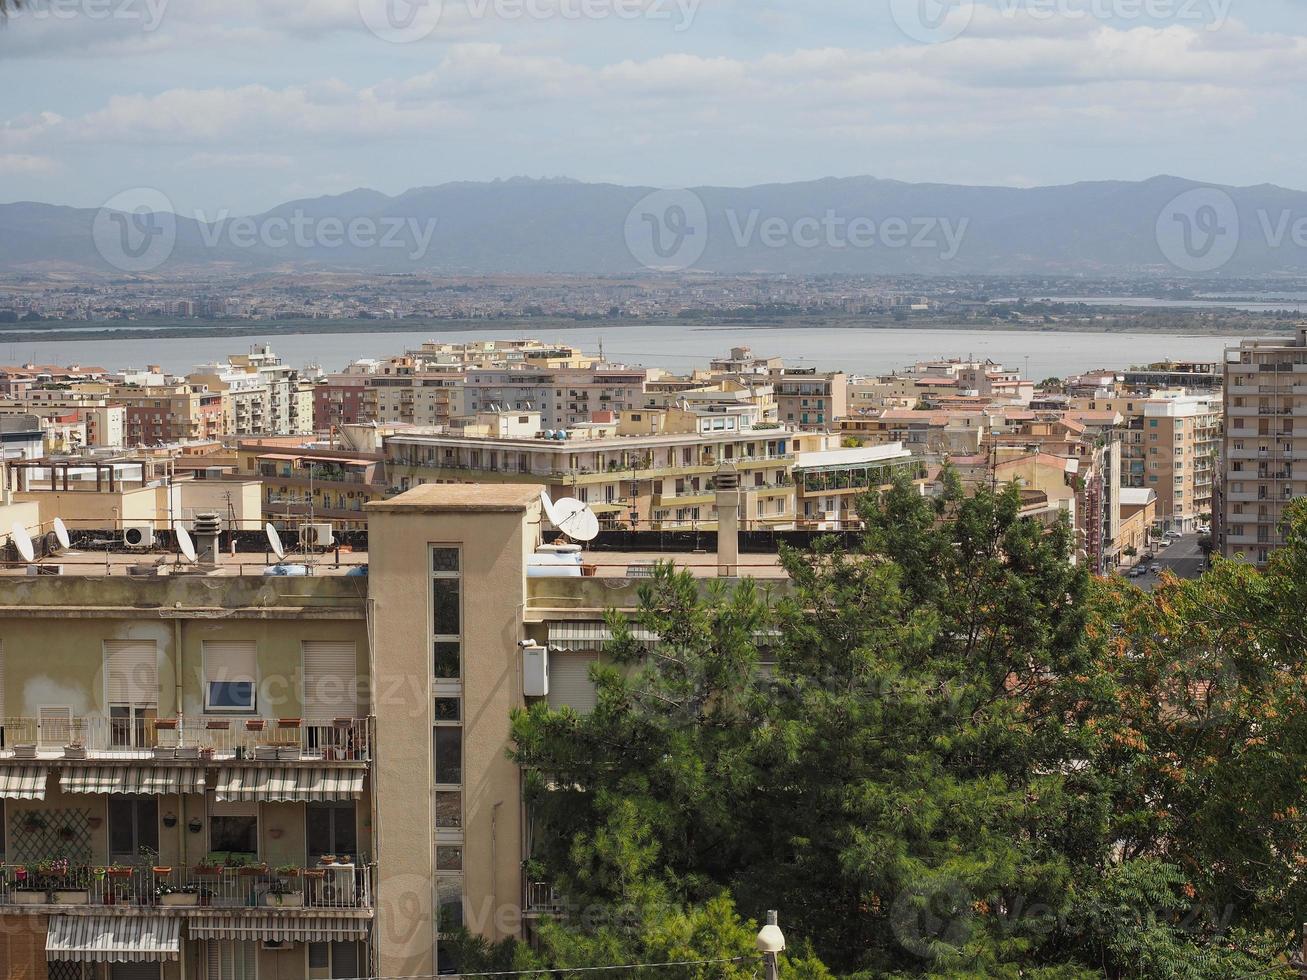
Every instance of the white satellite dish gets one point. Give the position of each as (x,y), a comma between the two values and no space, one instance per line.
(61,534)
(274,541)
(571,517)
(186,545)
(23,542)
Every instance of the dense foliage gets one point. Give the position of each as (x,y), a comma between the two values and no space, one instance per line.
(952,753)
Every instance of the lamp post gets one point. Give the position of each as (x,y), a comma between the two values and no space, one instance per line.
(771,943)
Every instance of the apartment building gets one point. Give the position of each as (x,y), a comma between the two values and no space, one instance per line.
(262,395)
(170,413)
(186,783)
(105,422)
(564,397)
(1264,443)
(338,401)
(1170,439)
(808,399)
(313,486)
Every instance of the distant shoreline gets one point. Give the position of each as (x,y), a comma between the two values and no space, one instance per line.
(61,331)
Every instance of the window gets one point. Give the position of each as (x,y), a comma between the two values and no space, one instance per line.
(448,755)
(330,828)
(234,828)
(449,903)
(449,810)
(329,961)
(133,824)
(227,959)
(446,613)
(230,676)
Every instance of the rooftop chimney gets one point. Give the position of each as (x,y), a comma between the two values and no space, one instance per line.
(728,520)
(208,529)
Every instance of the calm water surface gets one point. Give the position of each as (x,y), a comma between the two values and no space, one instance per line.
(678,348)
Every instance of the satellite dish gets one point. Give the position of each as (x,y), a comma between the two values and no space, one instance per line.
(23,542)
(574,519)
(61,534)
(274,541)
(186,545)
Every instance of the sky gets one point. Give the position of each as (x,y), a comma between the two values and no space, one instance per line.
(234,106)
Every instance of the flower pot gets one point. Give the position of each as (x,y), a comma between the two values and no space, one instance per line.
(288,753)
(162,872)
(255,724)
(295,900)
(119,872)
(253,871)
(165,724)
(218,725)
(72,897)
(74,752)
(162,752)
(25,750)
(265,753)
(206,871)
(289,722)
(314,874)
(179,899)
(188,752)
(28,898)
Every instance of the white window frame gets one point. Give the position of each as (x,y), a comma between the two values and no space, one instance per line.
(254,682)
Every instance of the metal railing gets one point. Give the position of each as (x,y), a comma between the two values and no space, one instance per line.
(336,886)
(542,898)
(289,740)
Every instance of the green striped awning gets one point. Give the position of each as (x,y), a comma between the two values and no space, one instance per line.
(132,780)
(113,939)
(23,782)
(286,784)
(266,927)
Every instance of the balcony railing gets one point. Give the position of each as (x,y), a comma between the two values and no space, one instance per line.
(542,898)
(336,886)
(205,738)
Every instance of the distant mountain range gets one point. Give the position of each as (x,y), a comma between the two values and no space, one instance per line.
(857,225)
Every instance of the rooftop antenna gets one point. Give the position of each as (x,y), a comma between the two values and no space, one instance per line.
(186,546)
(274,542)
(23,542)
(571,517)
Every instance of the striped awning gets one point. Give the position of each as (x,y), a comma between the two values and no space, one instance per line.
(256,926)
(113,939)
(23,782)
(284,784)
(590,636)
(132,781)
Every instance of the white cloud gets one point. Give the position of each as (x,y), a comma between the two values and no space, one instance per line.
(28,165)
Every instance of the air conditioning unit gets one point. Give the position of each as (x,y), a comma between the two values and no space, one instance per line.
(316,536)
(139,536)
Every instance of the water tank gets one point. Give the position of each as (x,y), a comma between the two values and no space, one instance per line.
(555,561)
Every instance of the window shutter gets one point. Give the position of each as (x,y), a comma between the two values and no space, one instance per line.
(331,680)
(131,672)
(231,662)
(569,681)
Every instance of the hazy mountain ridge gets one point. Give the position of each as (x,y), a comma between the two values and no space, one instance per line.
(562,226)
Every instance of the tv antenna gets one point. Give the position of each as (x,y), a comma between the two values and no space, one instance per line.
(571,517)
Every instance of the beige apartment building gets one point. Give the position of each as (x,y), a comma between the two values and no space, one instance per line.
(1265,444)
(1170,442)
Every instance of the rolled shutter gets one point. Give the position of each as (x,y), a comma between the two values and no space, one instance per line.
(131,672)
(331,680)
(569,681)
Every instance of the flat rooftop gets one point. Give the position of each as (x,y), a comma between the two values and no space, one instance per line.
(79,562)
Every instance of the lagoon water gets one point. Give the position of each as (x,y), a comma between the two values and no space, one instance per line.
(678,348)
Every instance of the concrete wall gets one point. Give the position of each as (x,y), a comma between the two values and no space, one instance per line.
(495,539)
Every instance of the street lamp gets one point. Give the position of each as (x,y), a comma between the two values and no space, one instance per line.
(771,942)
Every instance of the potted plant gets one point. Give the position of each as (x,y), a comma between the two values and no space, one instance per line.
(67,834)
(34,823)
(253,870)
(207,868)
(165,752)
(75,750)
(280,894)
(327,859)
(207,753)
(178,895)
(255,724)
(287,871)
(119,871)
(188,752)
(25,750)
(165,724)
(290,722)
(26,891)
(314,874)
(218,724)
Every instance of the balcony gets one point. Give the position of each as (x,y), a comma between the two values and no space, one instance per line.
(542,898)
(57,882)
(202,739)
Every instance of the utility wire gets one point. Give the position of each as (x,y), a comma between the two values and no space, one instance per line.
(574,969)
